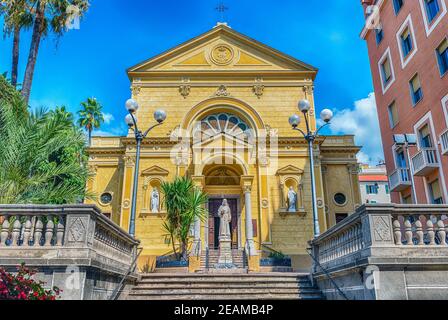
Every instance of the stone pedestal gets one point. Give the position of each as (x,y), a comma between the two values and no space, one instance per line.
(225,252)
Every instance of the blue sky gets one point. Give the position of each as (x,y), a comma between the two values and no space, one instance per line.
(116,34)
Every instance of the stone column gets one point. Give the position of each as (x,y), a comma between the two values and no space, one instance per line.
(250,245)
(252,253)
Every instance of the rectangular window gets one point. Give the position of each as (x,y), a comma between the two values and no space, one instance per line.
(387,72)
(393,115)
(432,9)
(442,55)
(436,194)
(406,42)
(379,35)
(341,217)
(416,89)
(425,137)
(398,4)
(372,189)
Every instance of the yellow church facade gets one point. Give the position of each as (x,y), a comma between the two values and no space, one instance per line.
(228,99)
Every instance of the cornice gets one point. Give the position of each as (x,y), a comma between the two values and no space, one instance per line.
(224,73)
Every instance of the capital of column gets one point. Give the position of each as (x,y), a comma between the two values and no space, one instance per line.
(247,183)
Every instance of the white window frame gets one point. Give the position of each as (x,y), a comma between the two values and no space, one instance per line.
(427,119)
(385,56)
(430,27)
(444,102)
(407,24)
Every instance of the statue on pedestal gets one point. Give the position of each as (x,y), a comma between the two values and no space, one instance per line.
(155,201)
(225,260)
(226,217)
(292,200)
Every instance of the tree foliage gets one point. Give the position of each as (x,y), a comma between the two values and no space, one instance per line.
(184,204)
(90,116)
(43,160)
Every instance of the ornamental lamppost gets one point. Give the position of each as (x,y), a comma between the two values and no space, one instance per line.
(310,136)
(131,121)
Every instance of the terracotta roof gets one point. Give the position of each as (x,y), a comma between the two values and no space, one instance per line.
(373,178)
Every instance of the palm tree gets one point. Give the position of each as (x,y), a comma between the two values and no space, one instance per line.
(17,17)
(43,159)
(184,204)
(48,15)
(91,116)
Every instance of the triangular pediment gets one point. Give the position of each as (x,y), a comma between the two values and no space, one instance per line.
(155,171)
(222,48)
(290,170)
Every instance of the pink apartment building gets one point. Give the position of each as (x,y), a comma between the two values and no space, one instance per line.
(408,50)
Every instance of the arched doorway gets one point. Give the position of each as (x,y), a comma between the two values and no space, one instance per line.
(223,182)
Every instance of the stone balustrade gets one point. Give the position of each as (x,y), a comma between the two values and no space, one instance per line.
(374,226)
(77,236)
(399,241)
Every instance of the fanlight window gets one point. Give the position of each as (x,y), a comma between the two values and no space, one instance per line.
(226,123)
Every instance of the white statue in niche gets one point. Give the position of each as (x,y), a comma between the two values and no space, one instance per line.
(155,200)
(292,200)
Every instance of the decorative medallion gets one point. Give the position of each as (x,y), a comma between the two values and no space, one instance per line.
(184,90)
(222,55)
(222,91)
(77,231)
(265,203)
(320,203)
(381,229)
(136,90)
(126,204)
(258,88)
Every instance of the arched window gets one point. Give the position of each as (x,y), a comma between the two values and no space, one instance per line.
(224,123)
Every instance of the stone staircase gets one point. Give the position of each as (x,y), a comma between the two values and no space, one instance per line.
(239,259)
(269,286)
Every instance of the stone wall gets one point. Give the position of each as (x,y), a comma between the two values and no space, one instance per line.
(75,248)
(385,252)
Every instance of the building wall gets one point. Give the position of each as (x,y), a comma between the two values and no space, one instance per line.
(435,86)
(381,197)
(154,86)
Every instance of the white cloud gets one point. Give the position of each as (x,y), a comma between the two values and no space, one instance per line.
(108,118)
(362,121)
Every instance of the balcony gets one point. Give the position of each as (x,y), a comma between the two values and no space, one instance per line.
(444,142)
(400,180)
(425,162)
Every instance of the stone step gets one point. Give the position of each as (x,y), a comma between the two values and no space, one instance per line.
(190,297)
(230,278)
(272,286)
(221,291)
(236,284)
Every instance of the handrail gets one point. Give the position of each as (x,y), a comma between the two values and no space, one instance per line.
(269,249)
(327,274)
(115,293)
(207,258)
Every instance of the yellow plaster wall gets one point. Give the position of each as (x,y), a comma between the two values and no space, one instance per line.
(282,91)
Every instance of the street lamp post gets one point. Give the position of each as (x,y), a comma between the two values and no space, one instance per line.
(310,137)
(131,121)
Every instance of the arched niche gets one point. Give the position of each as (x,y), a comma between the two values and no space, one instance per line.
(290,177)
(153,179)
